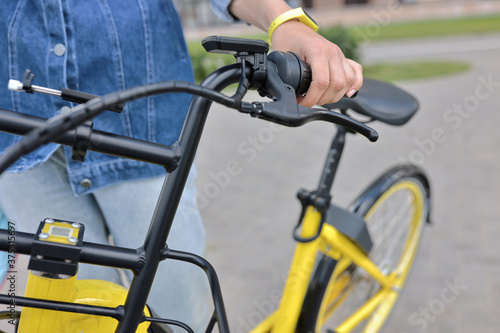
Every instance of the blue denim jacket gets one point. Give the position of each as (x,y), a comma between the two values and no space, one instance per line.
(97,46)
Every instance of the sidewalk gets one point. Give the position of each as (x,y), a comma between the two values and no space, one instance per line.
(433,47)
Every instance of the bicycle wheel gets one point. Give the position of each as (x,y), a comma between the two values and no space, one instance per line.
(395,208)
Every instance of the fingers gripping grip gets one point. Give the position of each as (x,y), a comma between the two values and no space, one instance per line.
(290,72)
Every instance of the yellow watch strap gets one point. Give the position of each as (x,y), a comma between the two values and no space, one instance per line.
(297,14)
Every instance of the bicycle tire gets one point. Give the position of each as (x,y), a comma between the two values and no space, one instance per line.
(333,285)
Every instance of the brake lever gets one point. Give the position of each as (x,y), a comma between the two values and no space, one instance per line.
(311,114)
(284,109)
(279,112)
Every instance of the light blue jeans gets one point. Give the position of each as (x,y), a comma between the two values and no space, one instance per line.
(180,290)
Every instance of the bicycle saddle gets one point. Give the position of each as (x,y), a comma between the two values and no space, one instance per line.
(380,101)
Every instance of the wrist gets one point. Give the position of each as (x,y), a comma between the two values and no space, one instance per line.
(259,13)
(289,34)
(297,14)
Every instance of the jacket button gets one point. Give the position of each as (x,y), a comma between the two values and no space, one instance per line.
(65,110)
(59,49)
(86,183)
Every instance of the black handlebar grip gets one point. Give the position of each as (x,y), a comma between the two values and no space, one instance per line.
(306,77)
(292,70)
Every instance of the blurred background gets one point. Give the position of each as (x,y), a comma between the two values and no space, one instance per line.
(445,53)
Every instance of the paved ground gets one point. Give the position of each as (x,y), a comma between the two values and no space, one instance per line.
(250,214)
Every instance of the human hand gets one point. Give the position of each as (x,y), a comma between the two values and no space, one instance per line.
(333,75)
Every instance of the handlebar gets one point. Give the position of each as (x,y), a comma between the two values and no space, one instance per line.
(279,76)
(98,141)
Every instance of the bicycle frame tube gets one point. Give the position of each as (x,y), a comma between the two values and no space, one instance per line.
(168,201)
(334,243)
(300,274)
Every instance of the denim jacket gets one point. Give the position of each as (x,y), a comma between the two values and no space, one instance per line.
(97,46)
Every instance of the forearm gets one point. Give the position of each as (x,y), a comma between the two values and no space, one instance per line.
(259,13)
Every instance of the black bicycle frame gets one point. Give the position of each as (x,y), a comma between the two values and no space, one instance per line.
(145,260)
(168,201)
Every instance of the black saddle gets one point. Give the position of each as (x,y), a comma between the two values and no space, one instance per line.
(380,101)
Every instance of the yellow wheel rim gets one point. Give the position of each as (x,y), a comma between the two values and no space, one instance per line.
(339,286)
(402,270)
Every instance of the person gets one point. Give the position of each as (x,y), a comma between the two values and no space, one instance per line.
(100,46)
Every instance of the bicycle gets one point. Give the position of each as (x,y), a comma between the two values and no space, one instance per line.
(345,258)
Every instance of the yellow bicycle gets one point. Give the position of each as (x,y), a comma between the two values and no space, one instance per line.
(349,265)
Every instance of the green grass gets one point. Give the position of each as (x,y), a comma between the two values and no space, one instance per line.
(413,70)
(428,28)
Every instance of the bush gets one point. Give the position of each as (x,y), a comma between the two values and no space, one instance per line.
(205,63)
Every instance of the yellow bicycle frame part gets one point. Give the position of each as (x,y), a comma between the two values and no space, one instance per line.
(285,318)
(92,292)
(330,242)
(299,276)
(336,245)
